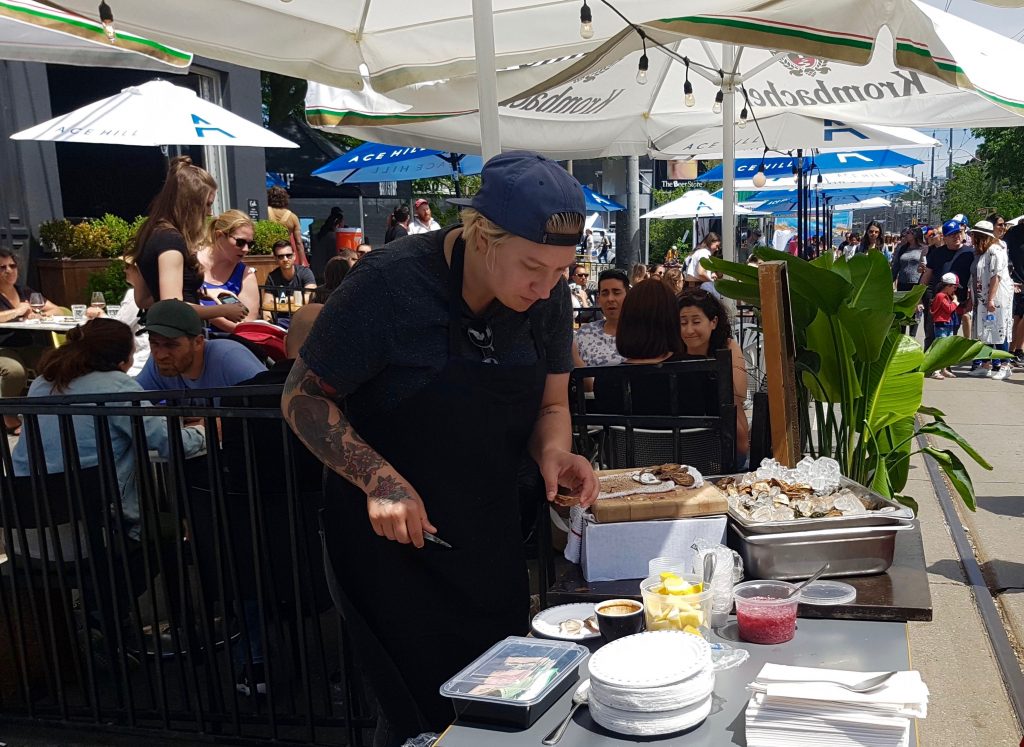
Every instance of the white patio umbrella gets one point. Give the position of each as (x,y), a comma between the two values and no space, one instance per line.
(871,203)
(697,203)
(39,32)
(616,122)
(396,43)
(155,113)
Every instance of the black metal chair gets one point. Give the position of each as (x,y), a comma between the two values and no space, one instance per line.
(626,438)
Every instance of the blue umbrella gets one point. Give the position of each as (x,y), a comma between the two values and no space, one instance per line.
(375,162)
(825,163)
(786,202)
(597,201)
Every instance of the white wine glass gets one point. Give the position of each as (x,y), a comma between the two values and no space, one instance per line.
(98,301)
(37,302)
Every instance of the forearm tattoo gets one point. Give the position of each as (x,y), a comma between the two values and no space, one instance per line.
(309,406)
(388,490)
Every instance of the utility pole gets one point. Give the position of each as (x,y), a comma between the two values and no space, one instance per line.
(931,185)
(949,169)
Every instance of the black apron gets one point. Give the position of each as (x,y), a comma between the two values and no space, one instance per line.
(418,616)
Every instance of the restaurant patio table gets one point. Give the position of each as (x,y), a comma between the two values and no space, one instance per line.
(833,644)
(40,326)
(899,594)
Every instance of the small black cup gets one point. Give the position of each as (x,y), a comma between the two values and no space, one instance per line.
(617,618)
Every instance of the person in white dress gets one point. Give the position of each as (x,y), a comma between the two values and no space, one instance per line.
(992,297)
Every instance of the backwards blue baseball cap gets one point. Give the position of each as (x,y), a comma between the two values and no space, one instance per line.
(520,193)
(951,227)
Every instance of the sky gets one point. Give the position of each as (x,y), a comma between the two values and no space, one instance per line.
(1006,21)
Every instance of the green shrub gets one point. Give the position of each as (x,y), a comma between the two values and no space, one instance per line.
(266,234)
(106,237)
(110,282)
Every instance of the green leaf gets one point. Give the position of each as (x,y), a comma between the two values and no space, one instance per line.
(867,329)
(904,303)
(731,269)
(823,289)
(897,440)
(906,500)
(942,430)
(872,283)
(954,469)
(894,383)
(933,411)
(739,291)
(835,350)
(948,351)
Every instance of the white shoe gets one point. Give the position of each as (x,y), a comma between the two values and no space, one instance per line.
(1002,373)
(938,375)
(981,373)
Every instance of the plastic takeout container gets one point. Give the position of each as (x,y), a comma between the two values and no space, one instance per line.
(515,681)
(765,613)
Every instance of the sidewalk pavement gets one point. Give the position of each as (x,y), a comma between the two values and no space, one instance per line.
(968,706)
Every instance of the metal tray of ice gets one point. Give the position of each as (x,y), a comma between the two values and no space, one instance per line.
(883,512)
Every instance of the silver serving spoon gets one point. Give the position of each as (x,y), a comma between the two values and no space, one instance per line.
(811,580)
(869,685)
(580,697)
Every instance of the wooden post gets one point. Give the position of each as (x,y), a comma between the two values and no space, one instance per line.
(780,361)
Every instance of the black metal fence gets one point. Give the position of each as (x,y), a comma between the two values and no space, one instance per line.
(203,612)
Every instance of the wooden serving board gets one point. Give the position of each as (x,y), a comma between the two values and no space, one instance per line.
(674,504)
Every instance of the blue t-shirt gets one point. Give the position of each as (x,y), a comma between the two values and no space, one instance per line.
(225,363)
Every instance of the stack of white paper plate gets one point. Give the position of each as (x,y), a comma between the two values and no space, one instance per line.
(652,683)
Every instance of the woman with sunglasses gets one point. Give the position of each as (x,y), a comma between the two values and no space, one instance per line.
(165,247)
(433,370)
(227,279)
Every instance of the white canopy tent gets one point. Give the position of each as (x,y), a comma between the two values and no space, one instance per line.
(697,203)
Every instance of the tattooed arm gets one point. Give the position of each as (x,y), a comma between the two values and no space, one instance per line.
(310,407)
(551,445)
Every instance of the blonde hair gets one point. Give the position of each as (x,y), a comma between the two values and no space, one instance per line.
(180,205)
(475,226)
(226,223)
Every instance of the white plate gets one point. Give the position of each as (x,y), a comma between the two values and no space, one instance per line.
(653,659)
(545,623)
(650,724)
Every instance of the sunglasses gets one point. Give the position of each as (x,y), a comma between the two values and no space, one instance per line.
(482,337)
(5,268)
(582,275)
(280,256)
(242,243)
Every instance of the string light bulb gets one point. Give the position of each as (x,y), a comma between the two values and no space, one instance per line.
(107,19)
(743,116)
(717,108)
(586,21)
(760,178)
(688,96)
(641,70)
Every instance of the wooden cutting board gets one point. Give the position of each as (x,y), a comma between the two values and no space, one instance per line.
(674,504)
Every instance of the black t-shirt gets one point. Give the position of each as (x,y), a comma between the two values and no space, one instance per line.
(941,260)
(383,334)
(696,393)
(396,231)
(168,240)
(303,276)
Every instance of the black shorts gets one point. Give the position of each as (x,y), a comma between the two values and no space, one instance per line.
(1018,304)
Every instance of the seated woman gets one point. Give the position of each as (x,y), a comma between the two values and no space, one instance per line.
(705,329)
(334,272)
(229,239)
(17,351)
(94,361)
(651,330)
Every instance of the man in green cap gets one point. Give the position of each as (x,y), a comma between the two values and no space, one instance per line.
(182,358)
